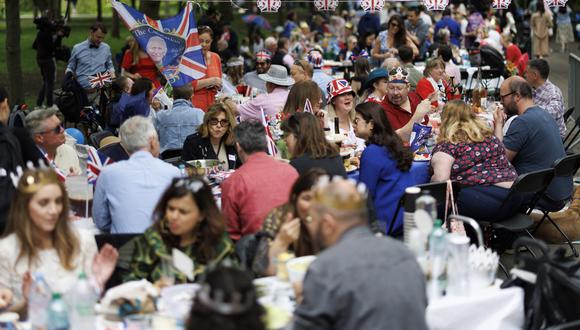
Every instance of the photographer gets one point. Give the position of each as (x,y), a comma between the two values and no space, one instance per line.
(48,39)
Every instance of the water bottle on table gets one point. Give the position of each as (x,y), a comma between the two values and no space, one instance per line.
(438,256)
(57,316)
(38,301)
(82,299)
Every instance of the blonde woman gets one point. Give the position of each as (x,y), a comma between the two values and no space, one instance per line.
(137,64)
(468,152)
(40,239)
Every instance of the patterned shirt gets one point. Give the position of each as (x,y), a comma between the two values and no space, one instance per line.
(150,249)
(484,163)
(549,97)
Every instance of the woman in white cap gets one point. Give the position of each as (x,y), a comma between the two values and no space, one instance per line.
(341,111)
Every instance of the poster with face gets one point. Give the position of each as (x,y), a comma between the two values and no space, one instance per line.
(163,48)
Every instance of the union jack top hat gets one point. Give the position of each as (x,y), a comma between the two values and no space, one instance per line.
(263,55)
(315,58)
(338,87)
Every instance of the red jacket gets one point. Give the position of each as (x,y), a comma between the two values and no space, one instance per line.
(424,89)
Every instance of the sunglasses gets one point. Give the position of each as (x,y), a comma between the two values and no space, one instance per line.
(215,122)
(55,130)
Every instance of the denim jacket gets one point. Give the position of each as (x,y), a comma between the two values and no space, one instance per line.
(176,124)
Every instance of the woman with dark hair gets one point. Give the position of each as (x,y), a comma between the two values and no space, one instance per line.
(390,40)
(227,300)
(308,146)
(142,94)
(298,96)
(365,43)
(205,89)
(188,219)
(384,164)
(361,70)
(214,138)
(286,227)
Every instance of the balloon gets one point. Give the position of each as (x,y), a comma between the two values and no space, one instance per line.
(76,134)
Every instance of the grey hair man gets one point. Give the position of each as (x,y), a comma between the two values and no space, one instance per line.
(128,190)
(337,291)
(47,132)
(258,186)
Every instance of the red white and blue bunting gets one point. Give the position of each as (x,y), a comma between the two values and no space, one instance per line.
(435,4)
(326,5)
(269,6)
(372,5)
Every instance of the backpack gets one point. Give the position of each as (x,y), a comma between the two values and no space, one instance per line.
(17,117)
(10,159)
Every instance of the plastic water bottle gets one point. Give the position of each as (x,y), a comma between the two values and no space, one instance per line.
(425,211)
(438,256)
(38,301)
(82,299)
(57,316)
(182,171)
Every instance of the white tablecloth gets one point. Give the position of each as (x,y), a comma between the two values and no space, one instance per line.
(487,309)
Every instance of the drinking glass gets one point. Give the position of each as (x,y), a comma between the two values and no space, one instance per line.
(167,271)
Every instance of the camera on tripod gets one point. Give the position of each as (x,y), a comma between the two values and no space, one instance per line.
(54,26)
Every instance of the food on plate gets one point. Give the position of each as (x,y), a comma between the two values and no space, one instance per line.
(422,157)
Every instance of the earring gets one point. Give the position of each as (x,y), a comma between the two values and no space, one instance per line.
(308,219)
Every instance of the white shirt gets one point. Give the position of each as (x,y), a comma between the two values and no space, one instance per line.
(58,278)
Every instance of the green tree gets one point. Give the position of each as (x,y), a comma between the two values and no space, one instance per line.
(13,61)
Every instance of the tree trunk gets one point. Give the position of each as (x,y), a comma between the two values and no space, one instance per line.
(150,8)
(99,10)
(227,11)
(13,61)
(115,29)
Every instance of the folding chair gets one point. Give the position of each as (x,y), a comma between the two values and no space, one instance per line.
(568,113)
(563,167)
(487,78)
(575,130)
(532,184)
(436,189)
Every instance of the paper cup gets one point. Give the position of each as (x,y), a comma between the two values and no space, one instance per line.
(297,268)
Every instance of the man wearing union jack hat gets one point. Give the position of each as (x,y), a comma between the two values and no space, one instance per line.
(263,62)
(403,107)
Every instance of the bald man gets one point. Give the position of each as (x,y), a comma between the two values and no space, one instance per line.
(532,141)
(360,281)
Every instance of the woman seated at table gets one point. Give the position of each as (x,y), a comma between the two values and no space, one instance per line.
(308,146)
(468,152)
(395,36)
(436,80)
(214,138)
(286,227)
(40,239)
(301,94)
(187,219)
(340,105)
(376,86)
(384,164)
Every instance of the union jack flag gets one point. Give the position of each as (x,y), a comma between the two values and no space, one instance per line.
(500,4)
(308,106)
(435,4)
(272,149)
(95,163)
(99,80)
(178,67)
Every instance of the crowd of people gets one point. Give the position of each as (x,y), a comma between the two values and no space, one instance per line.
(273,113)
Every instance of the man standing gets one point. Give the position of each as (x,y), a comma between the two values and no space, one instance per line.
(48,134)
(417,28)
(258,186)
(90,57)
(532,141)
(448,22)
(282,57)
(277,83)
(360,281)
(263,62)
(546,95)
(127,191)
(402,107)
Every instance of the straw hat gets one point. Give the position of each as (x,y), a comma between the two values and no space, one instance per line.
(108,140)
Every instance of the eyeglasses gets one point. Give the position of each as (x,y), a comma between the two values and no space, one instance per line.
(215,122)
(506,95)
(55,130)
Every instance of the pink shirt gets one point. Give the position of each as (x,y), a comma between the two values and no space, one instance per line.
(272,103)
(259,185)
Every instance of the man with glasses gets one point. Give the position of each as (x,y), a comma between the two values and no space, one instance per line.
(47,132)
(532,141)
(359,281)
(263,62)
(403,107)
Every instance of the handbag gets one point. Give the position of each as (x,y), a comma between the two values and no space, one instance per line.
(453,226)
(551,284)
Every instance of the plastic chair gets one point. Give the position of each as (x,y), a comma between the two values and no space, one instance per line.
(563,167)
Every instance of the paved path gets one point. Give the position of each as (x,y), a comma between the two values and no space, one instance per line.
(559,67)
